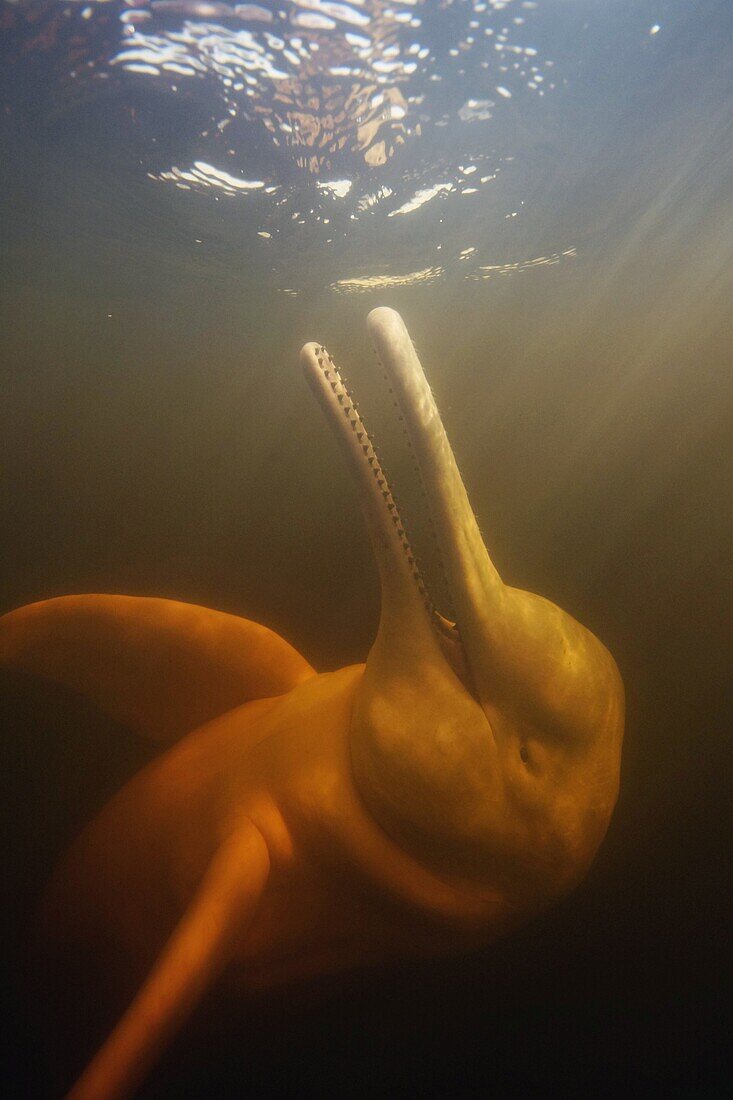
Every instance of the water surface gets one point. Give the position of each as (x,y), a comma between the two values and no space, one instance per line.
(550,209)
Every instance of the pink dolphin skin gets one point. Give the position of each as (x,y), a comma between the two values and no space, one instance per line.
(297,823)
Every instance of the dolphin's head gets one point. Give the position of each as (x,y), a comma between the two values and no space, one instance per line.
(487,748)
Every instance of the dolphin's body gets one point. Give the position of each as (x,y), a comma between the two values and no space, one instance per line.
(424,802)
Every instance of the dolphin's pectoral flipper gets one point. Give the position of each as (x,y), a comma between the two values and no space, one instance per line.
(159,666)
(195,954)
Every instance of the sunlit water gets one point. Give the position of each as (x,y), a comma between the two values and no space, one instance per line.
(188,192)
(393,144)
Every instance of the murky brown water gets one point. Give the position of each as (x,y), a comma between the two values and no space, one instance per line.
(574,318)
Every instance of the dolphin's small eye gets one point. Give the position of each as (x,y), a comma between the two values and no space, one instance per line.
(524,754)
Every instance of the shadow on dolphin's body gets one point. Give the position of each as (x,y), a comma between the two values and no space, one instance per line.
(297,823)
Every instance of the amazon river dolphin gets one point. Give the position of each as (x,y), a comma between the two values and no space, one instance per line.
(296,823)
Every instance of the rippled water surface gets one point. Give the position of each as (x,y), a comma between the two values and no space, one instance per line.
(188,192)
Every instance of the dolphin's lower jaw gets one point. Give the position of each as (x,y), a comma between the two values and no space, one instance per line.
(489,749)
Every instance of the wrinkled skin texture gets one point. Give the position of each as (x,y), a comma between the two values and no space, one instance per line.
(296,823)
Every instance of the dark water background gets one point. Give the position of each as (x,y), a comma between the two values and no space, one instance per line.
(157,438)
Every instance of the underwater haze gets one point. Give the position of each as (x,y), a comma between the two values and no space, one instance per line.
(190,190)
